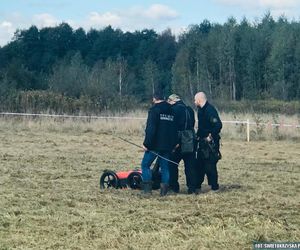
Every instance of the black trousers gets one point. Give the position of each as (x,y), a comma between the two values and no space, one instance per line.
(208,168)
(189,169)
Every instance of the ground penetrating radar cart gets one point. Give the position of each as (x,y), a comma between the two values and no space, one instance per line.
(128,179)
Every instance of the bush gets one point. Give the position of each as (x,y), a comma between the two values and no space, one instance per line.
(55,103)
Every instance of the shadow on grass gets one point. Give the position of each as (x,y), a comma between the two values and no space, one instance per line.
(223,188)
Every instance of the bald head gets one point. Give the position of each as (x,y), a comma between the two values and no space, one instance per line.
(200,99)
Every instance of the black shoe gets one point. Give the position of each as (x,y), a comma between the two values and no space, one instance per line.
(191,191)
(174,188)
(215,187)
(197,190)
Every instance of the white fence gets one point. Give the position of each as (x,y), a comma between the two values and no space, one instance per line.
(248,123)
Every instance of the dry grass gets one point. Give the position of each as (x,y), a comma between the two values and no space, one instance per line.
(50,197)
(262,129)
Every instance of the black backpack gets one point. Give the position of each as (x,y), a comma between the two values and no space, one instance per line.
(187,136)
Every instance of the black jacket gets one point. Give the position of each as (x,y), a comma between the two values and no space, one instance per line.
(184,116)
(160,133)
(208,122)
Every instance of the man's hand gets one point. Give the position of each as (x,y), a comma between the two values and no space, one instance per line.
(145,149)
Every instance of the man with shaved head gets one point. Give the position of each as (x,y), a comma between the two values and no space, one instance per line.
(208,154)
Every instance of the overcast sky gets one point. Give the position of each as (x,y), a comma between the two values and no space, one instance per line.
(134,15)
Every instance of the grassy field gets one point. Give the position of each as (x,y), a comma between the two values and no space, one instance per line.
(50,197)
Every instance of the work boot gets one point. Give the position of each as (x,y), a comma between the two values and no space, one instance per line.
(146,188)
(215,187)
(163,189)
(197,191)
(174,187)
(191,190)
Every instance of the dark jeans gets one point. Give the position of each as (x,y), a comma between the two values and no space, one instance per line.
(208,168)
(163,164)
(189,165)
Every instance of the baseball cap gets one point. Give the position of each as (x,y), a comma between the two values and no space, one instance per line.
(174,98)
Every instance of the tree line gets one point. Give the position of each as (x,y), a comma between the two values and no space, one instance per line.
(60,69)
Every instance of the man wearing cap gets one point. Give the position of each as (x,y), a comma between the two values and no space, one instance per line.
(208,154)
(185,120)
(160,138)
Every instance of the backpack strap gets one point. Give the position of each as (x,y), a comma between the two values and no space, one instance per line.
(187,115)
